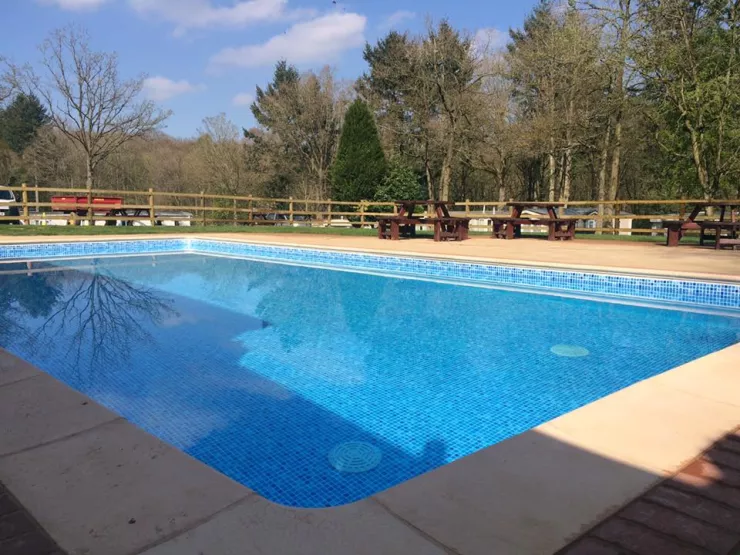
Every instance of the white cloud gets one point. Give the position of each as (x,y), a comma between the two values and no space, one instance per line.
(160,88)
(191,14)
(75,5)
(242,99)
(489,40)
(318,40)
(397,17)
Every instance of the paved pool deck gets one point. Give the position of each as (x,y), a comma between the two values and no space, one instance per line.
(100,485)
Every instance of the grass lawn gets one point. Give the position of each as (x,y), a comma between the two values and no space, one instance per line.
(24,230)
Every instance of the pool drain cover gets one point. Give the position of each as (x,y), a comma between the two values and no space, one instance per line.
(354,456)
(569,351)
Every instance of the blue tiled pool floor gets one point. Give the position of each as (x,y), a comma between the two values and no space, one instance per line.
(262,369)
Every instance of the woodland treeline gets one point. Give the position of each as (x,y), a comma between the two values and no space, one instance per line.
(629,99)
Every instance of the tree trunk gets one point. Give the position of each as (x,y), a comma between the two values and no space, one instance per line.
(614,174)
(501,181)
(428,173)
(89,173)
(603,159)
(568,154)
(699,163)
(551,171)
(567,171)
(446,177)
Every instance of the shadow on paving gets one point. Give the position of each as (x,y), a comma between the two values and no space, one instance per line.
(697,511)
(20,534)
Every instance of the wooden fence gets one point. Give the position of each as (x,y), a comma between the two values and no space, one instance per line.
(150,207)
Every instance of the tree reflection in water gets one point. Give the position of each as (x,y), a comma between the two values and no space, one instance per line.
(23,294)
(97,316)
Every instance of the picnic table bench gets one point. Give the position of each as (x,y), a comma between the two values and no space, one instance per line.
(675,229)
(446,227)
(724,234)
(511,227)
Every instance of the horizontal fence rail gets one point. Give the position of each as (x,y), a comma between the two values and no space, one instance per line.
(151,207)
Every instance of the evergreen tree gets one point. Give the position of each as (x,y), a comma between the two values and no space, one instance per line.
(360,164)
(21,120)
(400,183)
(285,77)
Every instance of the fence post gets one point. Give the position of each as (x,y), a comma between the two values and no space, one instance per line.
(89,208)
(24,199)
(362,213)
(250,206)
(616,219)
(290,209)
(152,219)
(203,208)
(235,219)
(467,207)
(682,211)
(328,214)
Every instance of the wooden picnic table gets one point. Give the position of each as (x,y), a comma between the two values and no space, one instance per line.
(405,222)
(407,207)
(676,228)
(511,226)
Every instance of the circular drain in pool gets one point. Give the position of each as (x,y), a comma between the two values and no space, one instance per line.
(354,456)
(569,350)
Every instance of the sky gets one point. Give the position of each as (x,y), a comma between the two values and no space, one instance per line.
(204,57)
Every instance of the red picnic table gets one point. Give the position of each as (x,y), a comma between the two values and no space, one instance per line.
(405,222)
(511,227)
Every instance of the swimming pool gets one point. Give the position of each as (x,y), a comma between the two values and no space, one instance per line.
(316,387)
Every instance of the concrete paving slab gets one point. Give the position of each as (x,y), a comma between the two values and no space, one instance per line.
(115,490)
(533,492)
(41,409)
(13,369)
(715,376)
(258,527)
(647,425)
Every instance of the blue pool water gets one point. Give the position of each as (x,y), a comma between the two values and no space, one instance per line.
(264,370)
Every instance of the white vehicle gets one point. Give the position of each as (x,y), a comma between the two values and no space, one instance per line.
(6,197)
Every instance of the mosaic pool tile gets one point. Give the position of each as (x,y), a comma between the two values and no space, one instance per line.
(684,291)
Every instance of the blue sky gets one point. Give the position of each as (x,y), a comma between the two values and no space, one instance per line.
(204,57)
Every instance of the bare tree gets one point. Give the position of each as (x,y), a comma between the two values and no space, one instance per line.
(306,115)
(89,102)
(7,79)
(223,154)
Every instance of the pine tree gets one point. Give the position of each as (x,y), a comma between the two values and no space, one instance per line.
(20,121)
(360,164)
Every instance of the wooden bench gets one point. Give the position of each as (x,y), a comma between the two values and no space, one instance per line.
(452,228)
(508,228)
(727,242)
(560,229)
(725,234)
(557,228)
(447,228)
(394,227)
